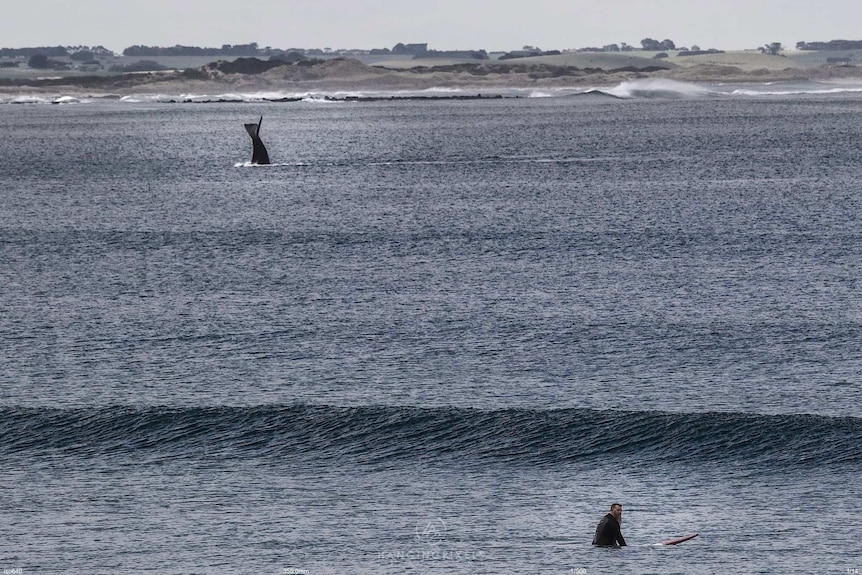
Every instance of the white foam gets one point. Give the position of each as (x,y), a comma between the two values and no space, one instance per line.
(249,164)
(29,99)
(319,100)
(658,88)
(67,100)
(795,92)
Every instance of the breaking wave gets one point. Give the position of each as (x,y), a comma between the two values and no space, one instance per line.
(645,88)
(658,88)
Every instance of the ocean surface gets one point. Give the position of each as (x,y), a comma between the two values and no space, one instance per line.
(434,336)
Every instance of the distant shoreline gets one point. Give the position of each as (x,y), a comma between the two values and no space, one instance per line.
(344,74)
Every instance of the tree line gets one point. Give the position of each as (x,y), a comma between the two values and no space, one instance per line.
(54,51)
(831,46)
(240,50)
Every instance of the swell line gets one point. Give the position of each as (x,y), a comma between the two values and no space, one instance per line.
(378,434)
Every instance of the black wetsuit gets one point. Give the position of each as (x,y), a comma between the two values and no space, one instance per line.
(608,532)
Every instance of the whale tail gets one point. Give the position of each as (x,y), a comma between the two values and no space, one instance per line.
(259,154)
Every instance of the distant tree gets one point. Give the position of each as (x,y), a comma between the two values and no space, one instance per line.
(695,48)
(650,45)
(773,49)
(668,45)
(39,62)
(82,56)
(626,48)
(101,51)
(611,48)
(54,52)
(830,46)
(411,49)
(289,57)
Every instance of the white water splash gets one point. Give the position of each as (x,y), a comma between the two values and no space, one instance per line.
(658,88)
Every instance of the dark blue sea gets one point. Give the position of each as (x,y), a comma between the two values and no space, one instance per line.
(434,335)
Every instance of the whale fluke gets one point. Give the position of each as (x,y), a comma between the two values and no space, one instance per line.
(259,154)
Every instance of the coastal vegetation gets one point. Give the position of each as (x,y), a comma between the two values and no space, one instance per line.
(831,46)
(70,57)
(411,66)
(410,50)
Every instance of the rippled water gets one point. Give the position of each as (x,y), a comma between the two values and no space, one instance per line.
(433,336)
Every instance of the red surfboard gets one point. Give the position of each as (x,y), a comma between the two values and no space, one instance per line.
(679,540)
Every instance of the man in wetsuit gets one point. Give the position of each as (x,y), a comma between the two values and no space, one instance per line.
(608,532)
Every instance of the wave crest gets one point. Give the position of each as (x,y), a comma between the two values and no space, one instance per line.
(658,88)
(380,434)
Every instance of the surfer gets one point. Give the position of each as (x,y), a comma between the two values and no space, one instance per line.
(608,532)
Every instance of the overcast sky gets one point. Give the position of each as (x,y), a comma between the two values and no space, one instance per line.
(443,24)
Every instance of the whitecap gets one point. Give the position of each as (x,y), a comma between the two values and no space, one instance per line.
(67,100)
(658,88)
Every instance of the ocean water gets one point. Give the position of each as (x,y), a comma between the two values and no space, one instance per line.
(434,336)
